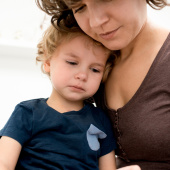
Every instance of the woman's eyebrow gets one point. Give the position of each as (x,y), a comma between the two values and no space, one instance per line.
(74,4)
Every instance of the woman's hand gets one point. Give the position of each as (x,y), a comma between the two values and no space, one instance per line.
(132,167)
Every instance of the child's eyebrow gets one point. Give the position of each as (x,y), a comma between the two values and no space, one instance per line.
(72,55)
(99,64)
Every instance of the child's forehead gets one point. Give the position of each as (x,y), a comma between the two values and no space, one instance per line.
(89,43)
(78,43)
(84,41)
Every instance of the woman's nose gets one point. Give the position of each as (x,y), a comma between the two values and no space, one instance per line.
(97,17)
(81,76)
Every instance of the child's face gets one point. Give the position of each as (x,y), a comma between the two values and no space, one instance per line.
(76,69)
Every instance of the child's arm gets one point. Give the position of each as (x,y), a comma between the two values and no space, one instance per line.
(107,162)
(9,152)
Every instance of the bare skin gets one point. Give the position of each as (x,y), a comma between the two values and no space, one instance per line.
(132,67)
(134,35)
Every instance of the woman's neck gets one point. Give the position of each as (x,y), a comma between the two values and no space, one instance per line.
(137,44)
(149,37)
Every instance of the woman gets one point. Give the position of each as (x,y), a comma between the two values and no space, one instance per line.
(136,95)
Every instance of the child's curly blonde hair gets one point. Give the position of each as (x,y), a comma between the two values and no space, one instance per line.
(52,39)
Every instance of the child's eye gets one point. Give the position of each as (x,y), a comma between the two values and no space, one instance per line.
(95,70)
(71,62)
(79,9)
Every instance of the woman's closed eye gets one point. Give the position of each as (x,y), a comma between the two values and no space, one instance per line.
(79,9)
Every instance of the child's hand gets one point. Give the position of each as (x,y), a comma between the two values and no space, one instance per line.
(133,167)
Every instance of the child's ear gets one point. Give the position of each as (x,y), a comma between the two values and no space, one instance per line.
(47,66)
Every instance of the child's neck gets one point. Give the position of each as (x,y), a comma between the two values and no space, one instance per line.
(64,105)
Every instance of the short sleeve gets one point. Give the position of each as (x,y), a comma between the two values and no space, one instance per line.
(19,125)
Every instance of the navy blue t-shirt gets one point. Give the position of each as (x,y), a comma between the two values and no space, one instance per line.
(52,140)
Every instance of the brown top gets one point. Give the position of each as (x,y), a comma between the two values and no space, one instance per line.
(142,126)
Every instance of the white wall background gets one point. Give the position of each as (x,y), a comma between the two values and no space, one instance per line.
(21,27)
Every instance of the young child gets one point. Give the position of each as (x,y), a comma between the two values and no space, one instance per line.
(63,131)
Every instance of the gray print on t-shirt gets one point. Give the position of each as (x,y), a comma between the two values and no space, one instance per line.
(93,134)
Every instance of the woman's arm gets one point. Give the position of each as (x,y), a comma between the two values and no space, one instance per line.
(132,167)
(9,153)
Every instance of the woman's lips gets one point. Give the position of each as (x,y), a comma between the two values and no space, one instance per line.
(108,35)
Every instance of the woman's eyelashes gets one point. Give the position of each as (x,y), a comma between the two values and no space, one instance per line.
(79,9)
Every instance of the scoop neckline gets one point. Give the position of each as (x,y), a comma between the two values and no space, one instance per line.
(136,94)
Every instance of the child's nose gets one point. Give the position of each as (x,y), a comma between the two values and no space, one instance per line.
(81,76)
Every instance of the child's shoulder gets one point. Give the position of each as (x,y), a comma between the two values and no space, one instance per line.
(32,103)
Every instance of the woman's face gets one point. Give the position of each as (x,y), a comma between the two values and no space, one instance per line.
(114,23)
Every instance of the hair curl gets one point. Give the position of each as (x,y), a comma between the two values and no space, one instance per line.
(62,17)
(157,4)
